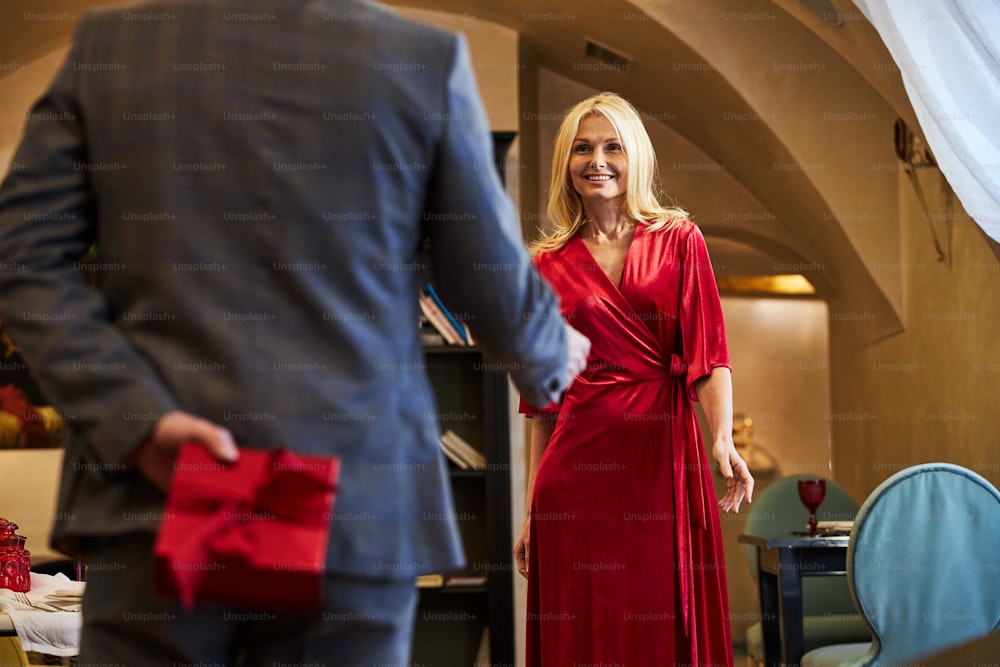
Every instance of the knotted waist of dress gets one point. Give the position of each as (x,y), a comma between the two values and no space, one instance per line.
(689,461)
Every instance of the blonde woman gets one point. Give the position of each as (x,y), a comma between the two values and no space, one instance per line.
(621,544)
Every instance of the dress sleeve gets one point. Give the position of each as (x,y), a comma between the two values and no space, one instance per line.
(703,330)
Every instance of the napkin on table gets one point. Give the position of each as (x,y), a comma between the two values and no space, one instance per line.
(49,625)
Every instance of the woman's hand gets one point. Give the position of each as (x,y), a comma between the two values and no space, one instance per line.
(715,392)
(739,481)
(521,547)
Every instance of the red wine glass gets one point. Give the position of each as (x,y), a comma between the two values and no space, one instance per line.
(811,493)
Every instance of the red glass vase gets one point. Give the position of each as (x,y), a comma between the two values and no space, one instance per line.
(15,560)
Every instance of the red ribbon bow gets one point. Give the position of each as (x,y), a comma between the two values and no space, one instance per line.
(677,366)
(287,490)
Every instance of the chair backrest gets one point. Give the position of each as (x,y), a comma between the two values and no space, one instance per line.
(924,561)
(777,511)
(11,653)
(29,485)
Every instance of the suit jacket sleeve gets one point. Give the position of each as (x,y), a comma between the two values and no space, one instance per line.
(104,389)
(479,261)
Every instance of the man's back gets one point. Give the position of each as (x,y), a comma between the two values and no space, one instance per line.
(258,178)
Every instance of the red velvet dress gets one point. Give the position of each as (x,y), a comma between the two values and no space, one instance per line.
(626,563)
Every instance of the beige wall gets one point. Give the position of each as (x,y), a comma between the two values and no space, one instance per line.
(494,60)
(781,378)
(931,392)
(18,92)
(29,486)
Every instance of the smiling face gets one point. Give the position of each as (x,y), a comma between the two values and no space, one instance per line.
(598,166)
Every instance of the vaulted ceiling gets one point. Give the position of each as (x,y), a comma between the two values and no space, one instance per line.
(789,105)
(783,110)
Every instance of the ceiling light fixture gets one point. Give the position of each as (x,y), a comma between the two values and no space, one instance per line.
(774,285)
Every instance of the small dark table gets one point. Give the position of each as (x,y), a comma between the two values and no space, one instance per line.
(781,564)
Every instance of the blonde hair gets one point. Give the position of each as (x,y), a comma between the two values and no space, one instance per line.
(642,187)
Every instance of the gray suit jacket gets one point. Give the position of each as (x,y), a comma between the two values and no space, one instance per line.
(258,177)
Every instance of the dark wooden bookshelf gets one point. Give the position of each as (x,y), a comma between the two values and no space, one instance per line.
(472,401)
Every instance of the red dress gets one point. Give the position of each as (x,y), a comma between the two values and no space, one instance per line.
(626,563)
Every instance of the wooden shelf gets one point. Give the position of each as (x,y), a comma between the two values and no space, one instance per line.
(472,401)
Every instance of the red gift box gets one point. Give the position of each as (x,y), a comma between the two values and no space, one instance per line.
(252,534)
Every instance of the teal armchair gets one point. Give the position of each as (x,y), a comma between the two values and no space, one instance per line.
(923,564)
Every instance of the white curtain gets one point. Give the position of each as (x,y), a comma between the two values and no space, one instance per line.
(948,52)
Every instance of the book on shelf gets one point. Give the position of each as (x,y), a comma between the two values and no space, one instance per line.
(454,458)
(458,326)
(452,442)
(439,321)
(430,581)
(465,581)
(468,334)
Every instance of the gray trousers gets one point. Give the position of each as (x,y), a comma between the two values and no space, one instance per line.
(365,623)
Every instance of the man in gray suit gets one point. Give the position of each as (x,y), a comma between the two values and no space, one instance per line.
(258,178)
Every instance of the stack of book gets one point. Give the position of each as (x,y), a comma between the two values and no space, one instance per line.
(464,455)
(443,320)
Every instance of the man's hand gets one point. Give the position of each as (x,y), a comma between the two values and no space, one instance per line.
(154,457)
